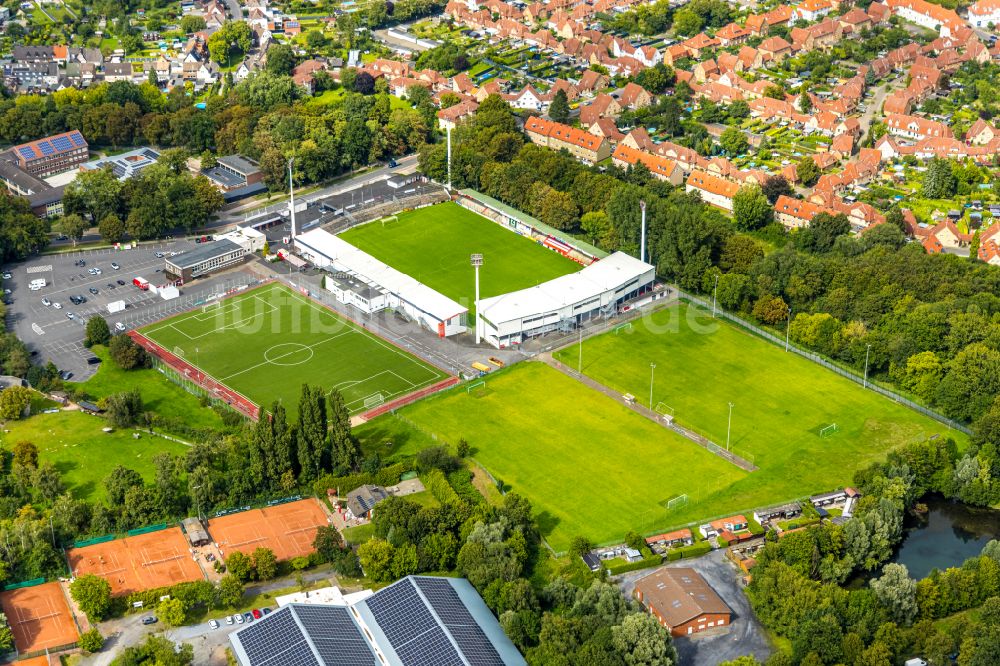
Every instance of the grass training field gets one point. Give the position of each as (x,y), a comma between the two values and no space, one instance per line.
(265,343)
(589,465)
(433,245)
(781,402)
(83,453)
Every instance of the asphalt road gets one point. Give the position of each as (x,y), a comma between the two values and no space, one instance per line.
(744,636)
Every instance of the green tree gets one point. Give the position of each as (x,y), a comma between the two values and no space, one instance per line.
(97,332)
(240,566)
(687,23)
(894,216)
(265,564)
(642,641)
(280,59)
(111,228)
(897,592)
(73,226)
(230,591)
(774,91)
(172,611)
(805,102)
(191,23)
(827,228)
(93,596)
(119,482)
(751,209)
(346,452)
(14,400)
(91,641)
(6,635)
(126,354)
(328,542)
(376,556)
(807,171)
(776,186)
(733,141)
(939,181)
(559,108)
(124,409)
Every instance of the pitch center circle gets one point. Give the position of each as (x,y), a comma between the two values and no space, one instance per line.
(288,353)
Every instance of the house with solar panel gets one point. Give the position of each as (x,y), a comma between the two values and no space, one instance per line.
(416,621)
(52,155)
(125,165)
(363,499)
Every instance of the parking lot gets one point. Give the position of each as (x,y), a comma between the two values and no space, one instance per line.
(52,333)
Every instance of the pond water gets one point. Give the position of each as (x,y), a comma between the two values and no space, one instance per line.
(947,535)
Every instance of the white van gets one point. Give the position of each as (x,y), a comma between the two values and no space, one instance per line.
(37,284)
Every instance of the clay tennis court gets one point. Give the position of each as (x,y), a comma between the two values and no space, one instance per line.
(39,617)
(287,529)
(138,563)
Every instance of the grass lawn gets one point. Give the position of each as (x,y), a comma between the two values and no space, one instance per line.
(83,453)
(159,395)
(266,342)
(433,245)
(588,464)
(780,403)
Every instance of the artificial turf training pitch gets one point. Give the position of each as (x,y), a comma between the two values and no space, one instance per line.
(267,342)
(433,245)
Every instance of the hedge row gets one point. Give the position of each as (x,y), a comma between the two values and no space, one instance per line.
(440,488)
(644,563)
(461,482)
(387,476)
(694,550)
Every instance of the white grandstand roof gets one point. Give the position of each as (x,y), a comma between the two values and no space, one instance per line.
(591,282)
(351,259)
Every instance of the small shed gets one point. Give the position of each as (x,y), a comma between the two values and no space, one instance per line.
(88,407)
(196,533)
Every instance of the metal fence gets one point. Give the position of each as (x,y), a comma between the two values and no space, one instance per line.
(816,358)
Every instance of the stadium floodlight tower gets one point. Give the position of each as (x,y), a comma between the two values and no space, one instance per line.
(291,197)
(642,242)
(477,260)
(449,158)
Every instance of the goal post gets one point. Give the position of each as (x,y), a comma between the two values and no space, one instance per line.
(475,385)
(179,352)
(627,326)
(676,502)
(829,430)
(388,219)
(374,400)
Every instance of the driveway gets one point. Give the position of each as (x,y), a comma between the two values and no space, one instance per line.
(744,636)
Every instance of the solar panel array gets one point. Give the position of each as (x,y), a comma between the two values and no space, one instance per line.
(410,627)
(471,639)
(52,145)
(77,139)
(277,641)
(335,636)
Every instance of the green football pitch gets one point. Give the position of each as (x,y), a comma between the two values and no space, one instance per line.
(784,406)
(433,245)
(267,342)
(589,465)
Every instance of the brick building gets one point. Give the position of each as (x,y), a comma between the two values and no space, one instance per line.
(51,155)
(682,601)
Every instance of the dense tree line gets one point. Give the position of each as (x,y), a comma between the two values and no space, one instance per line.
(797,590)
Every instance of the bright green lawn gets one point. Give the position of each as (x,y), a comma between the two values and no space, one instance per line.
(433,245)
(267,342)
(589,465)
(159,395)
(83,453)
(781,401)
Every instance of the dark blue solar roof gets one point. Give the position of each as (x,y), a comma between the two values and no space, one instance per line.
(471,639)
(77,139)
(46,147)
(335,636)
(26,152)
(400,612)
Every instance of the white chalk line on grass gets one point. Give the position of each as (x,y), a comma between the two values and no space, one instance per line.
(233,305)
(281,356)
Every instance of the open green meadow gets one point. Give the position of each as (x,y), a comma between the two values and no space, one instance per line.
(781,402)
(433,245)
(83,453)
(589,465)
(267,342)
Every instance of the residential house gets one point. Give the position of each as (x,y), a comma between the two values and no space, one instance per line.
(674,539)
(981,132)
(584,146)
(796,213)
(916,127)
(713,190)
(661,167)
(361,501)
(450,117)
(984,13)
(603,106)
(607,128)
(634,96)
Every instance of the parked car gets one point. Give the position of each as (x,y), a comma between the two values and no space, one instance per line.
(94,291)
(92,271)
(149,619)
(7,276)
(267,611)
(121,283)
(214,624)
(158,255)
(70,315)
(229,619)
(80,262)
(46,302)
(248,616)
(66,375)
(97,271)
(239,619)
(115,266)
(57,306)
(120,327)
(257,614)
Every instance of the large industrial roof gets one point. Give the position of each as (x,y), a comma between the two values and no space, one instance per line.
(353,260)
(607,274)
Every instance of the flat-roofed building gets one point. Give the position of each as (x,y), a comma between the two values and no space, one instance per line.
(208,258)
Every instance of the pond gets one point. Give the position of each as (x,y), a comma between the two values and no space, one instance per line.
(947,535)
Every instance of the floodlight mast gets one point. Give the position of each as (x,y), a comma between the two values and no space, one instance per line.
(291,197)
(642,245)
(477,260)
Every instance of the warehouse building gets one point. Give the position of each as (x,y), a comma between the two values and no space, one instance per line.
(429,307)
(598,290)
(682,601)
(416,620)
(208,258)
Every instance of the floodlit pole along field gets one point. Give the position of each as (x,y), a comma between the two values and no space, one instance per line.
(266,342)
(433,245)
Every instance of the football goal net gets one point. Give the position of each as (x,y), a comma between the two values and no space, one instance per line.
(829,430)
(677,502)
(211,305)
(178,351)
(627,326)
(663,409)
(374,399)
(474,386)
(389,219)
